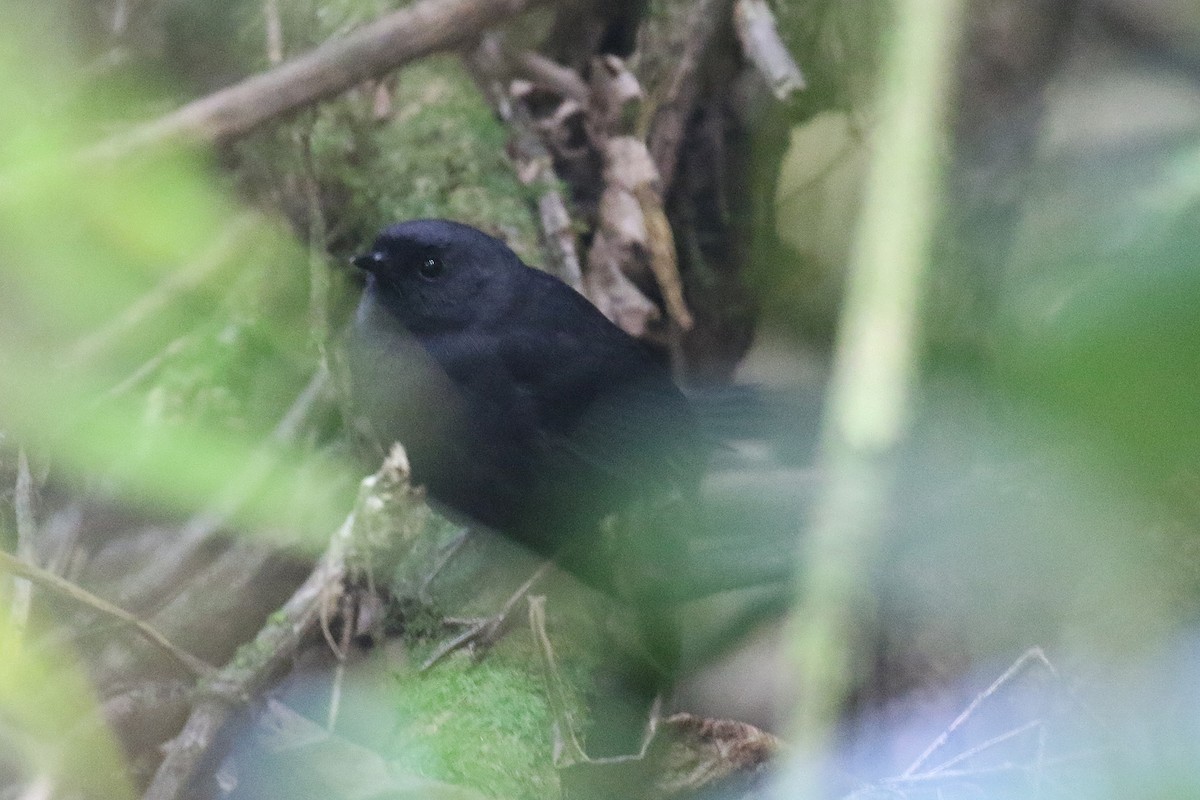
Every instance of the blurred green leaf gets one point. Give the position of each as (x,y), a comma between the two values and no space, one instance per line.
(107,265)
(50,728)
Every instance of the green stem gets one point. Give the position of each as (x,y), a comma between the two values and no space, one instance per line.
(875,367)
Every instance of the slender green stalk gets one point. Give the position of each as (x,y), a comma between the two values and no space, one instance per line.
(875,367)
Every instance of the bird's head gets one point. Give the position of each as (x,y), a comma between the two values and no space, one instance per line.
(437,274)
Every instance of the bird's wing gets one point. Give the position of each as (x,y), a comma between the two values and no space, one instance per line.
(603,402)
(641,432)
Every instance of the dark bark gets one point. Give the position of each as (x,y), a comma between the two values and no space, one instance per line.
(587,28)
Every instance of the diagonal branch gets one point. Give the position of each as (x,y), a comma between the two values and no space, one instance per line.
(387,513)
(52,582)
(379,47)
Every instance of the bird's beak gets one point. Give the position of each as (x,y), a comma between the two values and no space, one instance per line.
(368,262)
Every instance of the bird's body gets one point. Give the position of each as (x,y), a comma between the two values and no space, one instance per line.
(520,404)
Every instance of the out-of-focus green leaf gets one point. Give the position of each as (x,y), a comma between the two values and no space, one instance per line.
(105,265)
(1103,334)
(50,729)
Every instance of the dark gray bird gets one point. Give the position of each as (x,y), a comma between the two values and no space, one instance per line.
(523,408)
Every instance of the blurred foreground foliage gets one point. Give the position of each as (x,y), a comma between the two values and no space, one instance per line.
(154,332)
(118,272)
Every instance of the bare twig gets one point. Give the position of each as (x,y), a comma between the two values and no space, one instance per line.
(242,678)
(383,499)
(953,769)
(382,46)
(1032,656)
(148,368)
(80,595)
(664,261)
(568,750)
(755,26)
(896,785)
(486,630)
(300,411)
(1035,724)
(217,591)
(340,651)
(563,81)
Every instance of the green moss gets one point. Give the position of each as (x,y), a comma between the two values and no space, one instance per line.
(486,726)
(437,152)
(440,153)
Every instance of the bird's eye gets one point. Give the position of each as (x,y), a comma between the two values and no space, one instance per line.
(430,268)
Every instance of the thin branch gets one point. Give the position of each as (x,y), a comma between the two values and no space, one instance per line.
(894,784)
(489,629)
(756,30)
(148,368)
(982,747)
(239,680)
(340,650)
(548,73)
(1034,655)
(664,260)
(568,750)
(47,580)
(157,590)
(383,499)
(388,43)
